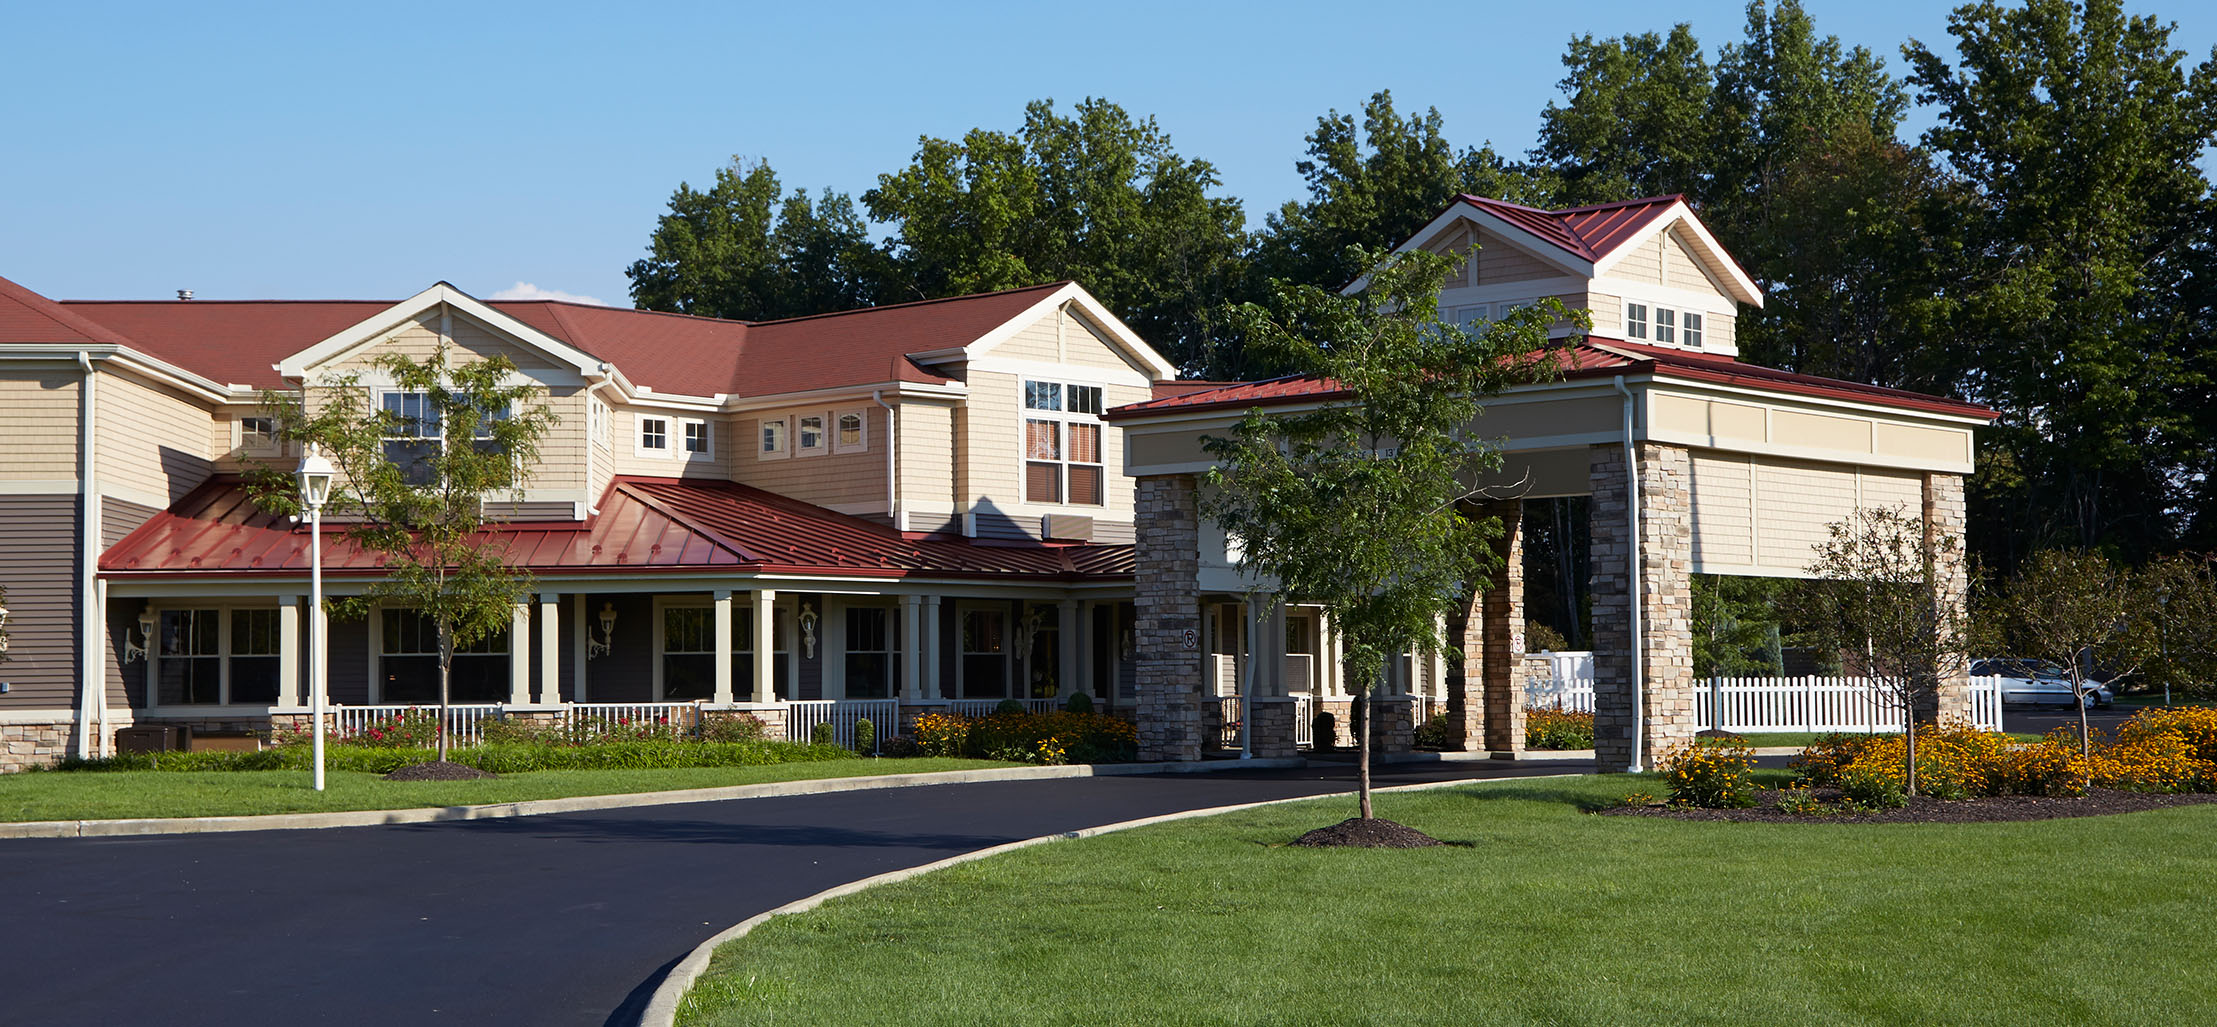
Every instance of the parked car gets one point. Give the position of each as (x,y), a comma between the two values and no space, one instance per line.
(2038,682)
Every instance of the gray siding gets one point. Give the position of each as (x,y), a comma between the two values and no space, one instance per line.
(119,518)
(38,564)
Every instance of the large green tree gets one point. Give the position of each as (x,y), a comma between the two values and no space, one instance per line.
(1097,196)
(743,249)
(2077,130)
(1635,121)
(1362,507)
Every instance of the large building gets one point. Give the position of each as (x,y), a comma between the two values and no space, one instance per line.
(888,510)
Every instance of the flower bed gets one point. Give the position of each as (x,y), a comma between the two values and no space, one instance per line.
(1043,738)
(498,757)
(1550,728)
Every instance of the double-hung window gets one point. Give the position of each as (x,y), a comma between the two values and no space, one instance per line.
(413,435)
(688,653)
(1062,444)
(870,648)
(408,662)
(217,657)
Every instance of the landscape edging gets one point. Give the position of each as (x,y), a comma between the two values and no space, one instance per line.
(140,827)
(661,1008)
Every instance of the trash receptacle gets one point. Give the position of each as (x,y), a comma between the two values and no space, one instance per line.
(152,738)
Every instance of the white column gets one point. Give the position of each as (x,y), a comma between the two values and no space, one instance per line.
(912,647)
(765,645)
(1066,647)
(1084,645)
(934,688)
(519,656)
(584,647)
(723,645)
(289,692)
(550,649)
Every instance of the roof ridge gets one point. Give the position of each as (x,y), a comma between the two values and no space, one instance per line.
(1505,203)
(223,303)
(53,310)
(636,310)
(919,303)
(1589,208)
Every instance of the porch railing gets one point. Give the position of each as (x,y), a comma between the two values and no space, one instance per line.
(464,723)
(1235,728)
(1304,721)
(987,707)
(681,717)
(884,715)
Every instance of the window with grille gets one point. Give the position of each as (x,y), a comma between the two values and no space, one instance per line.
(1062,444)
(688,653)
(654,436)
(870,648)
(408,662)
(211,657)
(853,434)
(698,441)
(984,654)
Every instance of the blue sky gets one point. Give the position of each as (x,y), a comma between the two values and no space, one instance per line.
(366,150)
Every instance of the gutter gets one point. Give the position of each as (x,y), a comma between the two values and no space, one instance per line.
(91,682)
(892,479)
(1632,580)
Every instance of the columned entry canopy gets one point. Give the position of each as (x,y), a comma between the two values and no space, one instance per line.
(1729,468)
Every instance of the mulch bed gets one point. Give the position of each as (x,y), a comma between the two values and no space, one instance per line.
(1374,833)
(1921,810)
(439,770)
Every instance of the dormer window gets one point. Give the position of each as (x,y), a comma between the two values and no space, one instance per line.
(1635,321)
(1692,333)
(1666,326)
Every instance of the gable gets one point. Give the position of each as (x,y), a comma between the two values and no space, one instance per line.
(416,325)
(1063,336)
(418,336)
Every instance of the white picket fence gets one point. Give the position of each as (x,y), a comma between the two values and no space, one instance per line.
(1780,704)
(464,724)
(680,716)
(884,715)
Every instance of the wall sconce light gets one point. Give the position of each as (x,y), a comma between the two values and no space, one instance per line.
(133,652)
(595,648)
(3,620)
(808,630)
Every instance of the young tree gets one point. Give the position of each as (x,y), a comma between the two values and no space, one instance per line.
(418,473)
(1891,590)
(2082,611)
(1359,507)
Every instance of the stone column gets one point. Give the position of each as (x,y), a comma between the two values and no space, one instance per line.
(723,646)
(1167,577)
(765,645)
(1392,723)
(1270,727)
(1503,634)
(1466,675)
(1944,517)
(1663,596)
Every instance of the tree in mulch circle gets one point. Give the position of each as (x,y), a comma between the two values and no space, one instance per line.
(1364,506)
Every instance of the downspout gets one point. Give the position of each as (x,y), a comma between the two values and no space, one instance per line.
(91,681)
(603,377)
(1632,577)
(892,480)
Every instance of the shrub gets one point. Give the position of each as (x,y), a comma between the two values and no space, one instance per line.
(1009,706)
(1821,762)
(1711,772)
(942,734)
(1079,702)
(733,727)
(1433,733)
(1871,788)
(2051,766)
(901,748)
(1547,728)
(1324,729)
(825,733)
(865,736)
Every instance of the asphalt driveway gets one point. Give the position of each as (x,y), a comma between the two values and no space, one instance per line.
(565,919)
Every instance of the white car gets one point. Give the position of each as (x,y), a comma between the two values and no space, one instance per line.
(2038,682)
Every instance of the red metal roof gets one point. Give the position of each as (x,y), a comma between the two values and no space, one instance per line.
(1586,232)
(1589,357)
(645,525)
(239,342)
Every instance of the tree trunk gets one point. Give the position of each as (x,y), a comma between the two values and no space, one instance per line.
(446,674)
(1362,758)
(1909,773)
(2079,691)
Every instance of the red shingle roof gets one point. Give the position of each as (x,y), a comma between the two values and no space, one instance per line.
(1590,357)
(27,317)
(238,342)
(645,524)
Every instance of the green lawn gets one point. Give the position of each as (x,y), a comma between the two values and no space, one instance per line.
(1542,915)
(100,795)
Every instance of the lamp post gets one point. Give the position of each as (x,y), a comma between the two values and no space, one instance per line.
(315,488)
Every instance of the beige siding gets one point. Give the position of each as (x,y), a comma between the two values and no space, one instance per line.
(1501,261)
(562,459)
(1641,264)
(418,339)
(927,464)
(1608,313)
(1683,270)
(989,468)
(854,480)
(623,448)
(150,441)
(1723,490)
(1793,503)
(38,417)
(1065,336)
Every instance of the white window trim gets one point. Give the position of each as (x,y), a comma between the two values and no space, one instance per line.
(859,447)
(1067,418)
(1679,302)
(376,653)
(224,610)
(823,435)
(599,415)
(243,445)
(708,435)
(639,436)
(785,437)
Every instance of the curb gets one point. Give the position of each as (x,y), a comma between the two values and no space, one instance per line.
(662,1008)
(588,803)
